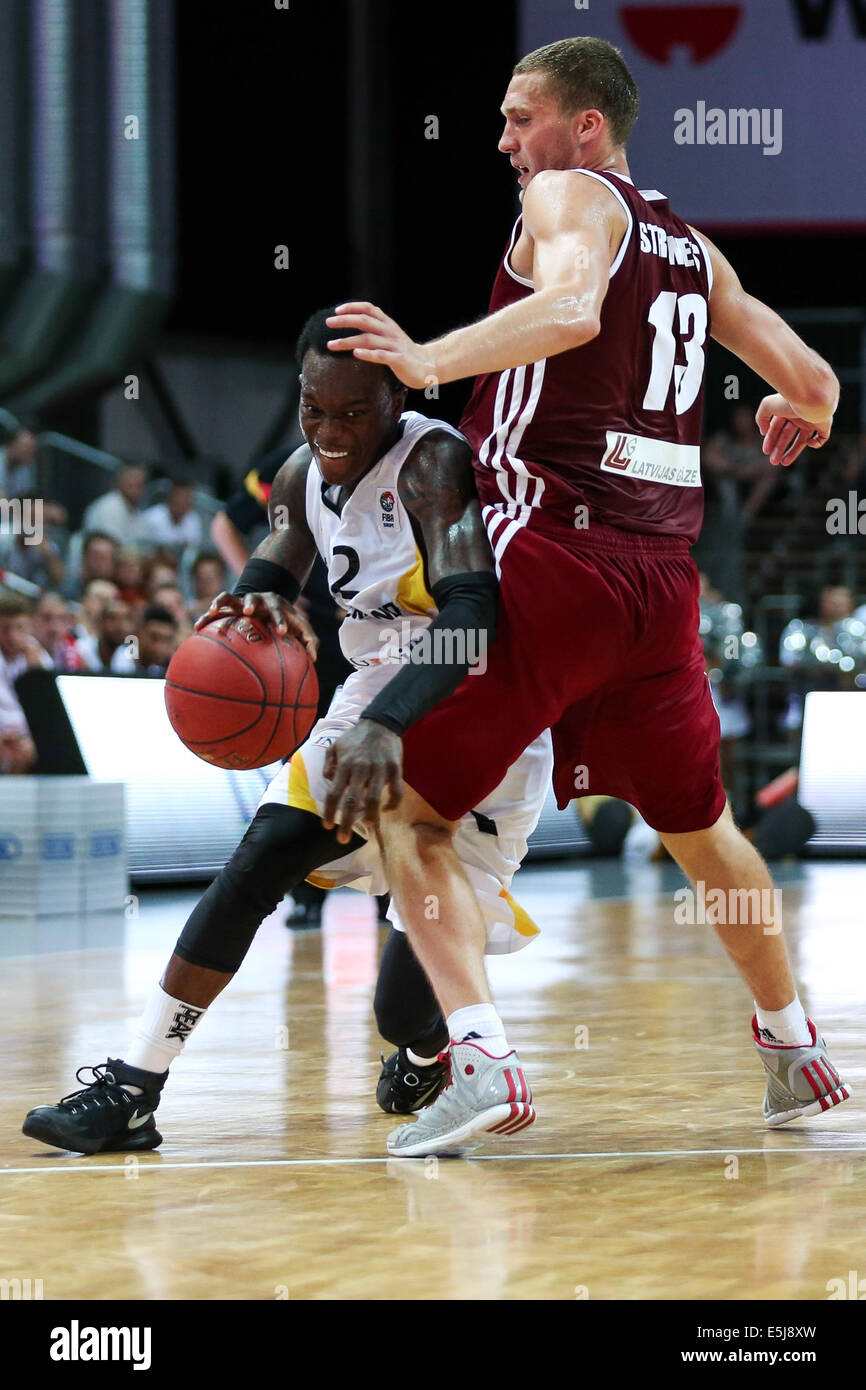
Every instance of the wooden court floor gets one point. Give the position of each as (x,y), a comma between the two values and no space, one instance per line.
(648,1175)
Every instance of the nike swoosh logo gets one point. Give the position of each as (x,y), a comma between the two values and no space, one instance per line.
(136,1120)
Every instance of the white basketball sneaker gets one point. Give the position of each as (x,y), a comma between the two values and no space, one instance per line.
(485,1096)
(800,1080)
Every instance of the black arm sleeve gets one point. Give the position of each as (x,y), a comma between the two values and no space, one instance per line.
(437,665)
(264,577)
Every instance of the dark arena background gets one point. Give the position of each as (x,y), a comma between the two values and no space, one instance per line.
(182,183)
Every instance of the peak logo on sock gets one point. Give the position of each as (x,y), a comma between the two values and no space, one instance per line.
(185,1019)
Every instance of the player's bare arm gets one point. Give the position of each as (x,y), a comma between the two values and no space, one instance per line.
(283,561)
(574,226)
(438,490)
(799,414)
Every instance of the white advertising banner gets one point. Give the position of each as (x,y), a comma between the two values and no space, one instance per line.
(753,115)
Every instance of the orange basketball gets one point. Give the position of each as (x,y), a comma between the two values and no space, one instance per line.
(242,696)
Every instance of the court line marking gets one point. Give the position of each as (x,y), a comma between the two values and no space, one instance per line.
(387,1158)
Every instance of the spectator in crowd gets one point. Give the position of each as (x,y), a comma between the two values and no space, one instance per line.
(735,462)
(19,649)
(118,512)
(106,650)
(98,556)
(160,568)
(52,626)
(171,596)
(17,749)
(31,556)
(157,641)
(738,484)
(129,578)
(18,463)
(209,578)
(731,655)
(91,556)
(173,522)
(826,652)
(153,647)
(98,593)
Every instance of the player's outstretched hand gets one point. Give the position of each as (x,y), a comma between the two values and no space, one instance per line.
(381,339)
(786,435)
(361,766)
(266,608)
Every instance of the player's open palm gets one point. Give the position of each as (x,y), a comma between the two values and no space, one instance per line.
(381,339)
(266,608)
(786,434)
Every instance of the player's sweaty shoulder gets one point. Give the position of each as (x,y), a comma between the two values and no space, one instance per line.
(562,204)
(437,475)
(289,488)
(566,198)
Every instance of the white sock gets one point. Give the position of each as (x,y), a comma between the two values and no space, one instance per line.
(786,1025)
(164,1028)
(418,1061)
(479,1021)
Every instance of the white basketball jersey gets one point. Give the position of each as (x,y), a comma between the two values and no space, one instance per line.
(375,569)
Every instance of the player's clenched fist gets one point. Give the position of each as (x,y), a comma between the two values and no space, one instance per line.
(267,608)
(786,435)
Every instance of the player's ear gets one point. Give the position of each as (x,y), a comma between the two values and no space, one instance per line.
(398,401)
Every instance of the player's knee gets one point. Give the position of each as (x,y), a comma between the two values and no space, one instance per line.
(270,860)
(417,842)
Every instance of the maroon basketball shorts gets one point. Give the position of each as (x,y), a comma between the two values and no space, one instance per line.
(598,641)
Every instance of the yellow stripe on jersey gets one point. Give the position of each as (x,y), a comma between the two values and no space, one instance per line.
(523,923)
(300,795)
(254,487)
(321,880)
(301,798)
(412,595)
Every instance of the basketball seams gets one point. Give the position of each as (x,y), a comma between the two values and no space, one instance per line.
(220,642)
(279,705)
(261,707)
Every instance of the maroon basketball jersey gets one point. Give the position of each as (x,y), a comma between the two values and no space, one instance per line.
(608,432)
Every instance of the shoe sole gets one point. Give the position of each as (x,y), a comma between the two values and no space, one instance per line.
(815,1107)
(151,1139)
(500,1120)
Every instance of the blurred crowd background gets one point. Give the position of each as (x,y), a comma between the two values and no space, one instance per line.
(163,236)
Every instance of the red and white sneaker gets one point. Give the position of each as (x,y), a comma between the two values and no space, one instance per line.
(485,1096)
(800,1080)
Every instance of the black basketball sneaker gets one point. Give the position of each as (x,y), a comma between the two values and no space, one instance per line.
(103,1117)
(403,1087)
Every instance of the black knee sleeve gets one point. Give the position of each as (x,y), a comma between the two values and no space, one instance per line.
(407,1012)
(281,846)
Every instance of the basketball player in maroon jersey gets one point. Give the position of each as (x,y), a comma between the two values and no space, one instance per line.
(585,423)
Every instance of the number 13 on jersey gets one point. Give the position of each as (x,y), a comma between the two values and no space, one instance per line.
(690,312)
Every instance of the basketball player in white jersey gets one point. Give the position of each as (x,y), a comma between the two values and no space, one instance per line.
(387,498)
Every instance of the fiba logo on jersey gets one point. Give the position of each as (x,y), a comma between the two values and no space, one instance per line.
(386,507)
